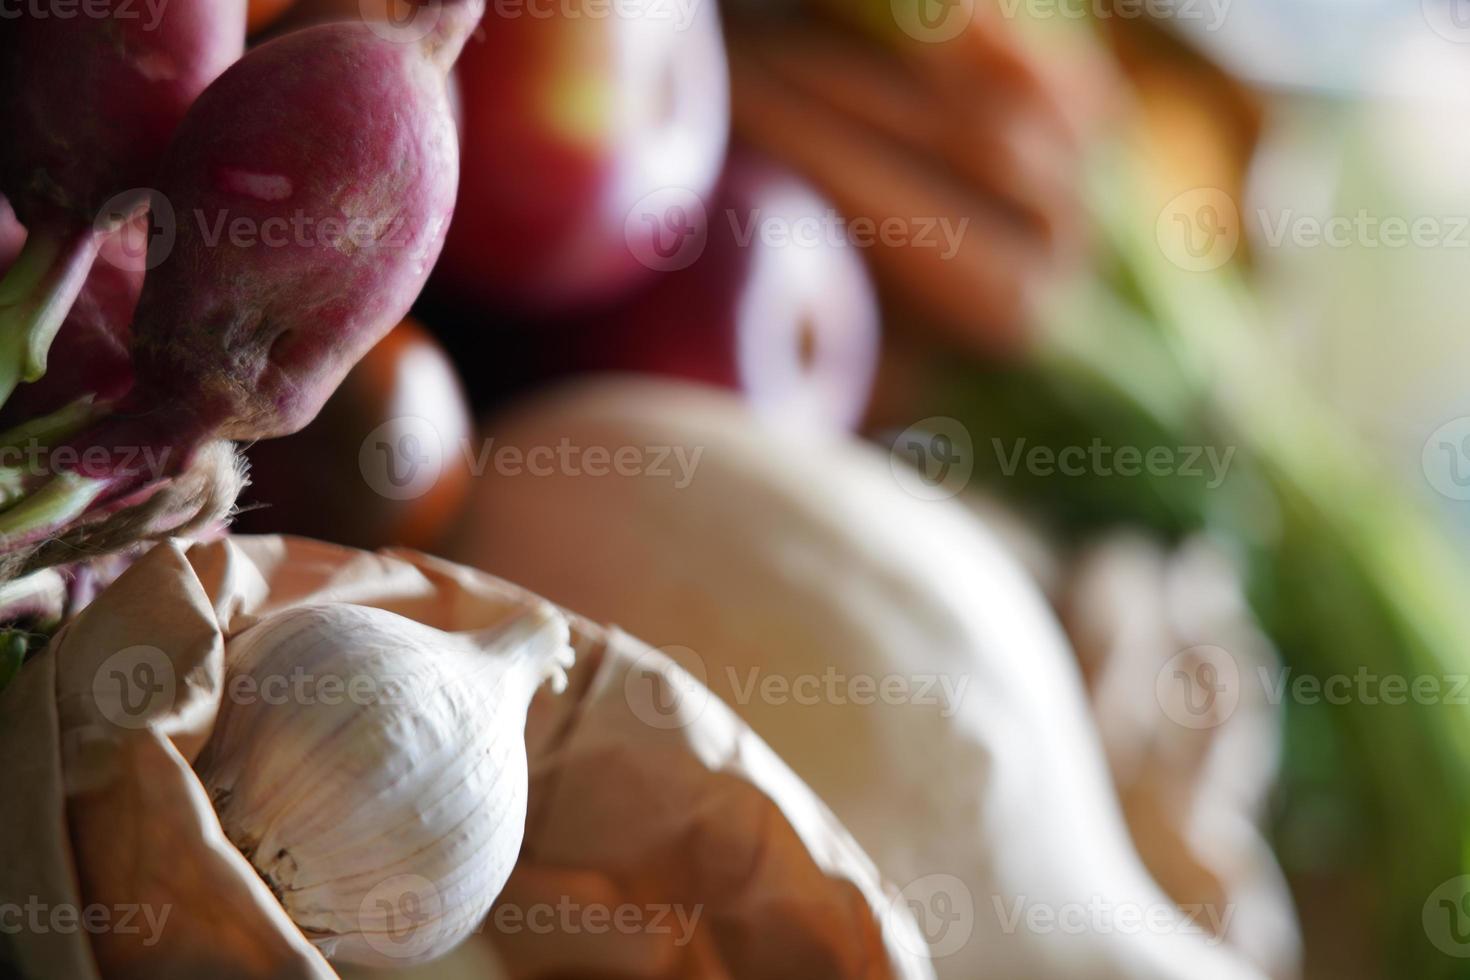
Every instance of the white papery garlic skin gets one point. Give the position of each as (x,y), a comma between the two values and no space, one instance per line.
(373,769)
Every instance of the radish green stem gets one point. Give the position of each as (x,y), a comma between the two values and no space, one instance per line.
(42,433)
(35,297)
(12,486)
(48,430)
(30,266)
(54,505)
(1345,573)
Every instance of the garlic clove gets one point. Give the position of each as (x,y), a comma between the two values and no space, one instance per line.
(373,769)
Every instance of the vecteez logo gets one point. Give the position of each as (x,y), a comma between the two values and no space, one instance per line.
(401,917)
(667,689)
(1446,917)
(403,458)
(943,908)
(933,459)
(150,223)
(1199,688)
(150,12)
(1450,19)
(141,228)
(36,917)
(830,229)
(933,21)
(1199,230)
(1208,14)
(401,21)
(667,230)
(680,13)
(568,917)
(1103,916)
(1446,459)
(134,686)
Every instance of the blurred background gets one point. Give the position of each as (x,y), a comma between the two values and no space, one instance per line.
(1171,291)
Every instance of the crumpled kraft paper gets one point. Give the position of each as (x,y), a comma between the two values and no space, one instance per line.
(1195,784)
(660,842)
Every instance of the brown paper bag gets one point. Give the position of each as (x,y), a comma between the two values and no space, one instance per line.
(663,838)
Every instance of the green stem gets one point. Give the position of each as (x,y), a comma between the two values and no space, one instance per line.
(35,297)
(1347,575)
(38,434)
(48,430)
(61,501)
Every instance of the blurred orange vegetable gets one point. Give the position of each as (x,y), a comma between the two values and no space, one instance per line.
(382,464)
(263,13)
(975,132)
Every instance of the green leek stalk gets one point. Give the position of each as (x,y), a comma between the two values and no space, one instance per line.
(1343,572)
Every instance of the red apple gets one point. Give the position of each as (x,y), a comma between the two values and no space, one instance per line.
(384,462)
(585,132)
(282,16)
(776,303)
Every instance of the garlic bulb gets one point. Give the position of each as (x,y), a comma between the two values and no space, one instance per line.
(373,770)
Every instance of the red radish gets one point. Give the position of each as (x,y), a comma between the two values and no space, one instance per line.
(577,127)
(309,13)
(778,306)
(90,105)
(311,184)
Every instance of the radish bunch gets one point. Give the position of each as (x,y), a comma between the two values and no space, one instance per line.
(91,102)
(310,188)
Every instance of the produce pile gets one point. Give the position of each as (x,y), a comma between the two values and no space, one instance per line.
(701,321)
(222,343)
